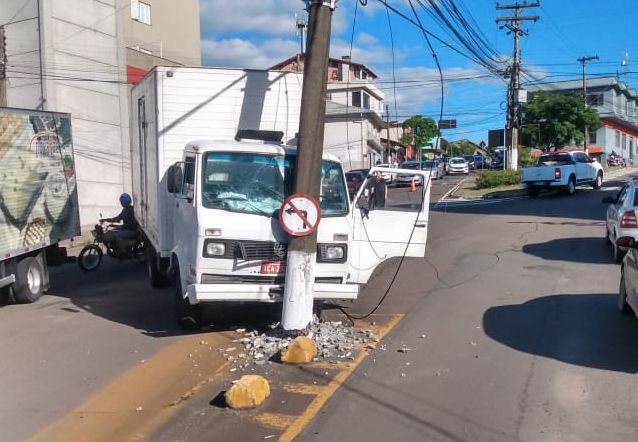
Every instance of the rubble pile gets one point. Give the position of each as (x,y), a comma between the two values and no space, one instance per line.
(334,341)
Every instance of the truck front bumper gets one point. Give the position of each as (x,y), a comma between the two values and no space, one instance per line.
(263,292)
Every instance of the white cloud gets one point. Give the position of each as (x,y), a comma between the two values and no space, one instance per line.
(272,17)
(235,52)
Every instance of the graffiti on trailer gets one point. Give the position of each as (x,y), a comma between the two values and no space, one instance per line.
(38,197)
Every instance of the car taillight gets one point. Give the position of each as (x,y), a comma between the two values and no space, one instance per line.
(628,220)
(557,173)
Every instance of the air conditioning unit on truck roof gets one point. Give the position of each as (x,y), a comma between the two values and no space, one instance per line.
(38,198)
(207,196)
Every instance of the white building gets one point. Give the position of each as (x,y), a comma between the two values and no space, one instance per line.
(354,111)
(617,105)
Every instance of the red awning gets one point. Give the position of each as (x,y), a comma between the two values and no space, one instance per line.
(133,74)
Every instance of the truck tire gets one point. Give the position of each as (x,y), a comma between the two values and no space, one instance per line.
(155,275)
(598,182)
(189,317)
(30,278)
(571,185)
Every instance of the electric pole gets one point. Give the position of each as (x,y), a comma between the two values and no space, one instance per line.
(513,23)
(583,61)
(388,158)
(302,251)
(3,68)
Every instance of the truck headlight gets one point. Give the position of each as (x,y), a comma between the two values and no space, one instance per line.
(214,249)
(332,252)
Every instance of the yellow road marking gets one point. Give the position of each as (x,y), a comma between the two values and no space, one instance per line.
(326,392)
(303,388)
(277,421)
(143,398)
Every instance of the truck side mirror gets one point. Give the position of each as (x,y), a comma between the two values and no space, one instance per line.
(174,179)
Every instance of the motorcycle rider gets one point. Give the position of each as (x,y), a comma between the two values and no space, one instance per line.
(127,230)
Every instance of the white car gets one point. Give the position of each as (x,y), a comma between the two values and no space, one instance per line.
(458,165)
(387,176)
(433,167)
(621,217)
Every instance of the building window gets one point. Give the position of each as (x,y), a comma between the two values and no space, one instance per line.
(356,98)
(595,100)
(617,143)
(141,12)
(592,137)
(366,101)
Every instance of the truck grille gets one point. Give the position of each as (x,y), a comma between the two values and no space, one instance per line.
(208,278)
(260,250)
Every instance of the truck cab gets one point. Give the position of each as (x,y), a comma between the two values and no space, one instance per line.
(224,242)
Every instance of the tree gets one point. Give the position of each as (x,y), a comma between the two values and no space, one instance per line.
(462,148)
(422,128)
(555,120)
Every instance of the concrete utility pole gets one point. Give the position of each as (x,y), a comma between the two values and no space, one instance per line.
(583,60)
(302,251)
(513,23)
(388,158)
(3,68)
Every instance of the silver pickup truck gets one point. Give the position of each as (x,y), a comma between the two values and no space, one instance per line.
(562,169)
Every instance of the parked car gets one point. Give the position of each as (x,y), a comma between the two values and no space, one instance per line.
(471,162)
(481,162)
(621,217)
(354,179)
(406,179)
(458,165)
(434,168)
(497,163)
(628,287)
(387,176)
(564,170)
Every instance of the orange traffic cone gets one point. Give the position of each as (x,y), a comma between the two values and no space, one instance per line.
(413,186)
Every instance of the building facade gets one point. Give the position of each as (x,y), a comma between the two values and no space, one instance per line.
(74,56)
(617,105)
(355,111)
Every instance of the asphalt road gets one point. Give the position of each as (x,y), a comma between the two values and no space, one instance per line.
(517,339)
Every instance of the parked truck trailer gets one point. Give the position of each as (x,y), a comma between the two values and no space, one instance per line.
(38,198)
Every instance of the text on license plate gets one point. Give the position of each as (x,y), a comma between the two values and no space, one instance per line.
(272,267)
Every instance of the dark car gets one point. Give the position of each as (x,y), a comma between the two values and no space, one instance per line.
(497,163)
(354,180)
(470,161)
(480,161)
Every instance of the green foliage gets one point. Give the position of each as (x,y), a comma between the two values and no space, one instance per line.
(496,178)
(556,120)
(462,148)
(424,129)
(524,157)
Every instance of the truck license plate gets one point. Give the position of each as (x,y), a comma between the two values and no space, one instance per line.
(272,267)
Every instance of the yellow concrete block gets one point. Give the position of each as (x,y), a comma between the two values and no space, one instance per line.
(250,392)
(300,351)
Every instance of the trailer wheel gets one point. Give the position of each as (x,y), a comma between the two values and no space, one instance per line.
(30,279)
(90,257)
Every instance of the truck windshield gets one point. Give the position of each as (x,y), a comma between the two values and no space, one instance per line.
(258,183)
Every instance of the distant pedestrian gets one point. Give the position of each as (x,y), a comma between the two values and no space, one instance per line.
(379,192)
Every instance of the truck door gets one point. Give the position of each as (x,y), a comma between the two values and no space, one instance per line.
(394,228)
(584,169)
(184,212)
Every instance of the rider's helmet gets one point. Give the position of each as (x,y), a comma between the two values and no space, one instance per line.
(125,200)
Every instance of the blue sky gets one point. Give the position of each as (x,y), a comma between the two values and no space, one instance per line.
(259,33)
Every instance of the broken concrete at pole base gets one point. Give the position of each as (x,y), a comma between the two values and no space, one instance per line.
(249,392)
(301,350)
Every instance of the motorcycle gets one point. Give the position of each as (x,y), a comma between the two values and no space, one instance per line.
(616,160)
(90,256)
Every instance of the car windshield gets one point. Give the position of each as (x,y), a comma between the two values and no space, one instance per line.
(258,183)
(457,161)
(429,164)
(469,158)
(354,177)
(410,166)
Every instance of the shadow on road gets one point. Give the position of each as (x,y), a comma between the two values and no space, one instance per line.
(583,330)
(585,204)
(593,250)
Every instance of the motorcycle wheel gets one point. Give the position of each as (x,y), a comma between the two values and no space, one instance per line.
(90,257)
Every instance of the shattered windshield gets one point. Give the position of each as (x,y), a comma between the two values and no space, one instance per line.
(258,183)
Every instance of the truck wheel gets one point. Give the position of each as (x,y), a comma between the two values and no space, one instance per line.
(571,185)
(619,254)
(30,279)
(90,257)
(155,275)
(598,183)
(189,317)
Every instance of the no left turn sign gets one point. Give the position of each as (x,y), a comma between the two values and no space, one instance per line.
(300,215)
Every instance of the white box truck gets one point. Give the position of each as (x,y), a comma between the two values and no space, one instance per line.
(38,198)
(207,197)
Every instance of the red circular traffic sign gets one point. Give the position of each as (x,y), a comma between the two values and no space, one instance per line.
(299,215)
